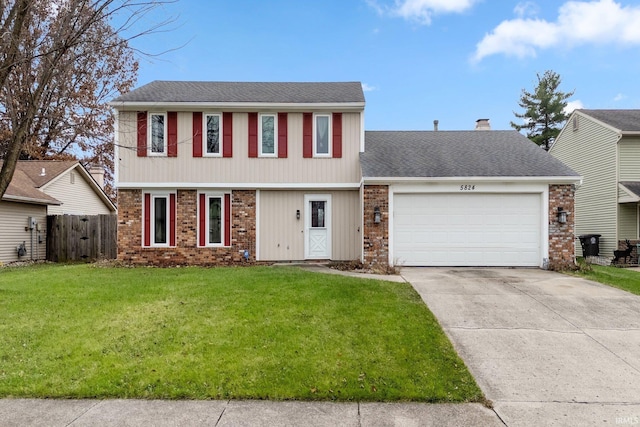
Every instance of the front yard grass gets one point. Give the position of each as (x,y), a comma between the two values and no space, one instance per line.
(81,331)
(622,278)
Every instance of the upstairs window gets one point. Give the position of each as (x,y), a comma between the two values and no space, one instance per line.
(322,136)
(212,131)
(158,134)
(268,129)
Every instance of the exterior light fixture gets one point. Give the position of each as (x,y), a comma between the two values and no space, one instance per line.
(562,215)
(376,215)
(298,214)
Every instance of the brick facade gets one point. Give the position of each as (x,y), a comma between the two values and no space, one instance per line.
(376,236)
(633,258)
(186,251)
(561,236)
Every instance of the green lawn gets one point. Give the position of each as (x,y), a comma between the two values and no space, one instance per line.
(257,333)
(622,278)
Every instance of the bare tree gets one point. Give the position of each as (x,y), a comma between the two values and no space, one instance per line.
(61,61)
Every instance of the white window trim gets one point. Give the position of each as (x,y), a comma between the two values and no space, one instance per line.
(152,219)
(150,151)
(208,196)
(329,136)
(275,135)
(204,135)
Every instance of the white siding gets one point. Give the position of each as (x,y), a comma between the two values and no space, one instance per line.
(13,220)
(76,195)
(591,151)
(282,235)
(240,168)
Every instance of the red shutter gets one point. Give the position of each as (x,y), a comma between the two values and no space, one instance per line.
(197,134)
(227,219)
(337,135)
(142,133)
(202,231)
(172,134)
(307,135)
(147,220)
(253,134)
(227,137)
(172,219)
(282,135)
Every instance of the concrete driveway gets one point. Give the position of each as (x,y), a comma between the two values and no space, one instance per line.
(546,348)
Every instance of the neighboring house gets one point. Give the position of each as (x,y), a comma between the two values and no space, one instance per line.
(604,147)
(219,173)
(46,187)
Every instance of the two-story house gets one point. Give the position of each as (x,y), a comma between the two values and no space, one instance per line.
(214,173)
(604,147)
(220,172)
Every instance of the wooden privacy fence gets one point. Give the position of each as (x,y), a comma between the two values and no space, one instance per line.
(81,237)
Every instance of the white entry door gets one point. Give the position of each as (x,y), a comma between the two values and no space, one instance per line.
(317,242)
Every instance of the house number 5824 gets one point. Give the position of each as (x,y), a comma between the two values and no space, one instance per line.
(467,187)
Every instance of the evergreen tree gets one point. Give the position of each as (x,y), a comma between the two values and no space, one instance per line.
(544,113)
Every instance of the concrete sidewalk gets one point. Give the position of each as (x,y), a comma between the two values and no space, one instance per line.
(107,413)
(546,348)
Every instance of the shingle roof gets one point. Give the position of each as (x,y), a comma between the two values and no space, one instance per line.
(632,186)
(28,179)
(258,92)
(623,120)
(433,154)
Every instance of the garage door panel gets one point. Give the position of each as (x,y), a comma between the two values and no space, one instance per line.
(467,229)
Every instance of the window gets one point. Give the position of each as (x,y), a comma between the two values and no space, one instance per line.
(214,219)
(158,134)
(159,219)
(268,129)
(213,132)
(321,135)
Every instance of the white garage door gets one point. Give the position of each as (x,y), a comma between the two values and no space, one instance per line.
(467,229)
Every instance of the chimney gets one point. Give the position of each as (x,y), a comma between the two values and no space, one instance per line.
(483,124)
(435,126)
(97,172)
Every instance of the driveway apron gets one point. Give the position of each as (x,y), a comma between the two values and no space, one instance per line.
(546,348)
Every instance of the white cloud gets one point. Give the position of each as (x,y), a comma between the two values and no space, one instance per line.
(526,8)
(421,10)
(368,88)
(573,105)
(619,97)
(578,23)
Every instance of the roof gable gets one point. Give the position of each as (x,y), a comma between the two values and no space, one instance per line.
(443,154)
(620,120)
(245,92)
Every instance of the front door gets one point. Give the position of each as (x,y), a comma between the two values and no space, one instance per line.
(318,226)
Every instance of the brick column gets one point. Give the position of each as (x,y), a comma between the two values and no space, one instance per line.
(561,236)
(376,236)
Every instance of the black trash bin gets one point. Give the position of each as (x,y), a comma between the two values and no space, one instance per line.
(590,244)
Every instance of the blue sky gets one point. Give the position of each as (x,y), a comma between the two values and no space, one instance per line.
(419,60)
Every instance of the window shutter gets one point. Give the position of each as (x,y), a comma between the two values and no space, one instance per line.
(172,219)
(227,219)
(227,137)
(197,134)
(307,135)
(253,134)
(172,134)
(142,134)
(337,135)
(147,220)
(202,220)
(282,135)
